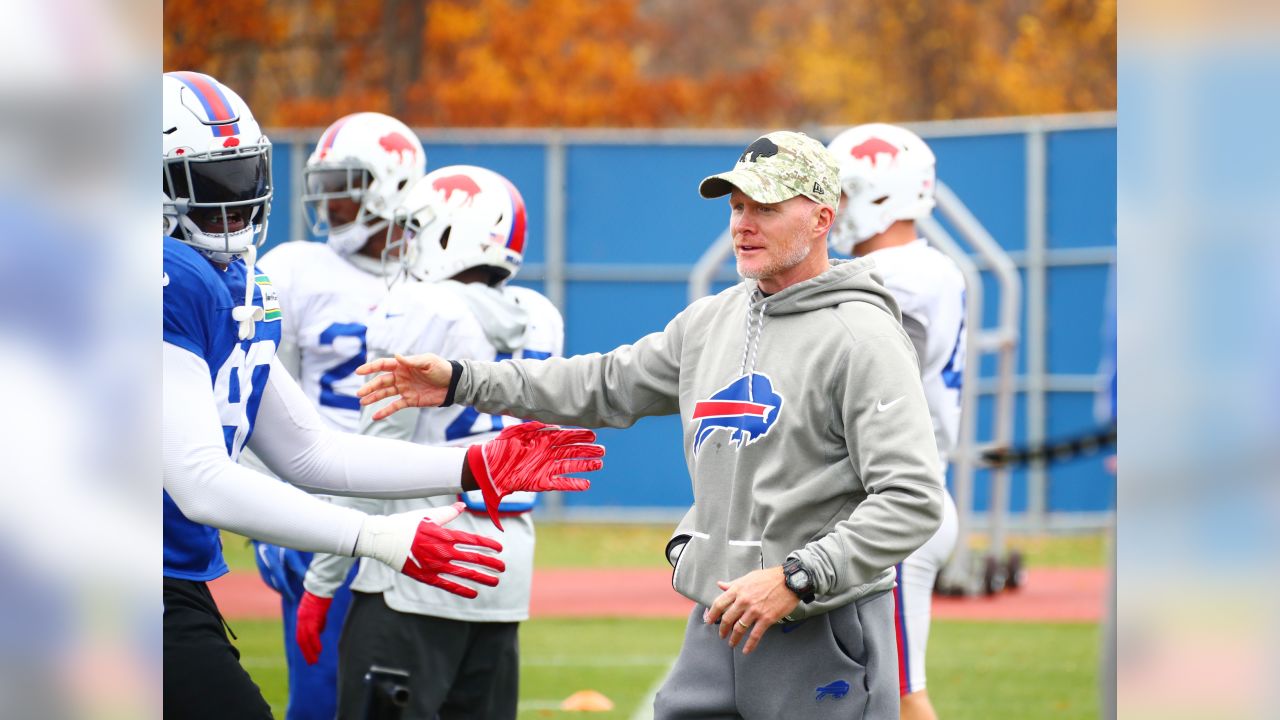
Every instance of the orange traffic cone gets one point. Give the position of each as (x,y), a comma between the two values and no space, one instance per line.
(587,701)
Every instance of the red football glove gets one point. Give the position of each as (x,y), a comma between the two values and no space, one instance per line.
(532,457)
(416,544)
(313,612)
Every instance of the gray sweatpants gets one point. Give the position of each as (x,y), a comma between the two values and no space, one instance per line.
(843,664)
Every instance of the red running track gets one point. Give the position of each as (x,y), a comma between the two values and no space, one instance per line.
(1049,595)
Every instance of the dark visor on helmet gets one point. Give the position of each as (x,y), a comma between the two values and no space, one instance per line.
(339,180)
(229,180)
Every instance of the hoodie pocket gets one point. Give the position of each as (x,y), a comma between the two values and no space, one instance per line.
(863,632)
(847,633)
(802,671)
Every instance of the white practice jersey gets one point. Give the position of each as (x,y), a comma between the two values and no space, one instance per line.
(327,302)
(458,322)
(929,289)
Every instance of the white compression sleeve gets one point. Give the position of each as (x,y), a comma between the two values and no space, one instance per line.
(292,439)
(211,489)
(326,572)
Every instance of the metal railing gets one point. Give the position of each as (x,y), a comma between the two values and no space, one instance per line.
(1000,340)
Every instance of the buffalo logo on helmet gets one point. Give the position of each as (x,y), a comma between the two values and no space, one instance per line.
(747,407)
(394,142)
(460,183)
(872,148)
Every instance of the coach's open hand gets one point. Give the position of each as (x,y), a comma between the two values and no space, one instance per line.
(419,380)
(752,603)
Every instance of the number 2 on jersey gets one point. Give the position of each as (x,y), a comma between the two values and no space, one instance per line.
(345,369)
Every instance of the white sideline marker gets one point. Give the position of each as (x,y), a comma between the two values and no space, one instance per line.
(645,709)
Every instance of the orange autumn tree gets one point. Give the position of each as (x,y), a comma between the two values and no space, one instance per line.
(660,63)
(544,63)
(939,59)
(220,38)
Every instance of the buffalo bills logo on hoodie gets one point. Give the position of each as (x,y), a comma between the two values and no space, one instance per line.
(746,407)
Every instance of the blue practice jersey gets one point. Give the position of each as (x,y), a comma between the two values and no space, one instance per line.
(198,299)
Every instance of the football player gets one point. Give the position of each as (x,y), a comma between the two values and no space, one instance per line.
(466,232)
(222,382)
(887,176)
(358,174)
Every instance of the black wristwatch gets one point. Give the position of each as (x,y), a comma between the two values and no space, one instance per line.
(798,579)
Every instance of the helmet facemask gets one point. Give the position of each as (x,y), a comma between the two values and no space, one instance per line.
(206,193)
(408,228)
(329,188)
(357,175)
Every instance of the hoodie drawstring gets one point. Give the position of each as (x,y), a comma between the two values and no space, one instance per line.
(759,335)
(248,314)
(752,346)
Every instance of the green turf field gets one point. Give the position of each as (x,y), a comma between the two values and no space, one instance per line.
(982,671)
(977,670)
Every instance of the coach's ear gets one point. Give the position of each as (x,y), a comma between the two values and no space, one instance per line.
(823,221)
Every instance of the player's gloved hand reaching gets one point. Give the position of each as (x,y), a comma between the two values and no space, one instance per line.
(417,544)
(532,457)
(313,615)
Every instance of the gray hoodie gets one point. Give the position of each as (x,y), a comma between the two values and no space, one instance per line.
(806,431)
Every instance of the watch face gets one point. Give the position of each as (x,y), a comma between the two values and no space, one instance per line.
(798,580)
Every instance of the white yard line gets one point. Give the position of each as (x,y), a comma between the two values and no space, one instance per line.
(644,711)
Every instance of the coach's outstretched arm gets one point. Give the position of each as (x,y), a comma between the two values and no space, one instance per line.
(610,390)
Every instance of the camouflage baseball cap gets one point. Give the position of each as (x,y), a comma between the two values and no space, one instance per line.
(778,167)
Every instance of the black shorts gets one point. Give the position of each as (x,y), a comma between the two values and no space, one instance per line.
(457,670)
(203,677)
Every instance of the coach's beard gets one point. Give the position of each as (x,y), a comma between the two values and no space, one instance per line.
(796,254)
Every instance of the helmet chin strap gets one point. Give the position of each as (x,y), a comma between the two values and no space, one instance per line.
(248,314)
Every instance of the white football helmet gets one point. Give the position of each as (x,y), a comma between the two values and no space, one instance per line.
(456,218)
(217,167)
(368,158)
(887,174)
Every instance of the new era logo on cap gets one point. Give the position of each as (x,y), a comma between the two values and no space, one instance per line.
(779,166)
